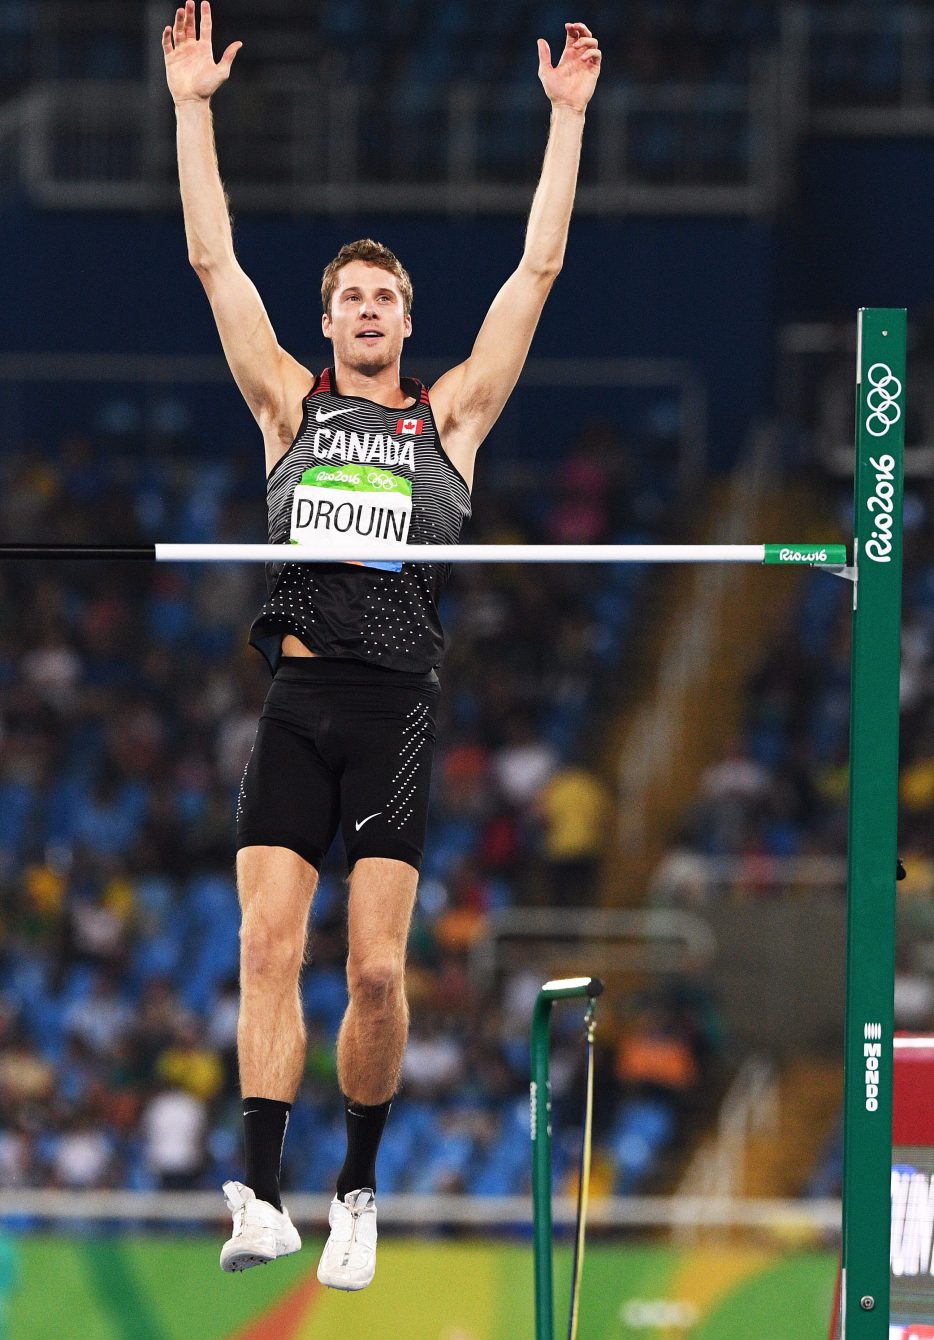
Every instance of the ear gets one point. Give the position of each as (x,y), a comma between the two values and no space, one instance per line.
(325,325)
(408,326)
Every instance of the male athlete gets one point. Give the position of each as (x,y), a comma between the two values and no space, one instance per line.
(348,727)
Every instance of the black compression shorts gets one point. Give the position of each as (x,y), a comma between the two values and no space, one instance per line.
(341,742)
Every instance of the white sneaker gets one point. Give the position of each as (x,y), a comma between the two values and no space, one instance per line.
(261,1232)
(349,1257)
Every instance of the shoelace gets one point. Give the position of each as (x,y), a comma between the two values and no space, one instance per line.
(354,1215)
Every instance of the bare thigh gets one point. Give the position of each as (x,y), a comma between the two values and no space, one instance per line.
(275,887)
(382,898)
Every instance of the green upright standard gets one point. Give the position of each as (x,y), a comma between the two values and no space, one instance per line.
(873,815)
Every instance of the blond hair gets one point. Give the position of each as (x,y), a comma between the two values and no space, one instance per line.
(373,253)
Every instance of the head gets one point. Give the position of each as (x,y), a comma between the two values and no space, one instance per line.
(365,288)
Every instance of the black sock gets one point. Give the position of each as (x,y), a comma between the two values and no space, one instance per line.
(364,1132)
(264,1126)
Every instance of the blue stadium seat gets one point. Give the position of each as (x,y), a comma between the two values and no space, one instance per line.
(112,827)
(642,1127)
(505,1169)
(449,1158)
(17,804)
(397,1148)
(324,996)
(154,956)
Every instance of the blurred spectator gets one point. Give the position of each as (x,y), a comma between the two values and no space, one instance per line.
(160,1015)
(914,993)
(576,808)
(190,1065)
(683,877)
(174,1128)
(464,919)
(654,1056)
(53,668)
(916,783)
(580,514)
(17,1158)
(84,1155)
(433,1064)
(25,1075)
(524,763)
(221,1033)
(92,932)
(465,771)
(101,1019)
(735,776)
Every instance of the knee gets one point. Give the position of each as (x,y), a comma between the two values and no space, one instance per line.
(269,953)
(375,981)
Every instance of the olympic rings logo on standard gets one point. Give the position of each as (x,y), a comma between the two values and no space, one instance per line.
(884,414)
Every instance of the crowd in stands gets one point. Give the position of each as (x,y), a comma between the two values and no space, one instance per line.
(779,790)
(776,798)
(128,705)
(129,699)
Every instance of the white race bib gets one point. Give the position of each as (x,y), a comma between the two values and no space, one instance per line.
(334,507)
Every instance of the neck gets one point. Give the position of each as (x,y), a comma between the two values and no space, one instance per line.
(384,385)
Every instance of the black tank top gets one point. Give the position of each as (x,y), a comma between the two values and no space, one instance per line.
(357,469)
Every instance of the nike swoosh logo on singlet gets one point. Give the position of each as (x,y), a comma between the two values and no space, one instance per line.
(359,825)
(321,417)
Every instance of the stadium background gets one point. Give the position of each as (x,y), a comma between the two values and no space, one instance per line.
(752,173)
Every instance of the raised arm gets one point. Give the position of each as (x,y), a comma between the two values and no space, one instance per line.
(270,379)
(469,399)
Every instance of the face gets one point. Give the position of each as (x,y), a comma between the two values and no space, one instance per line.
(367,323)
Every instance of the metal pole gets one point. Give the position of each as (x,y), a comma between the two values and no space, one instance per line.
(873,816)
(540,1105)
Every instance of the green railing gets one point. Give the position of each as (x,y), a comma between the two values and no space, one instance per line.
(570,988)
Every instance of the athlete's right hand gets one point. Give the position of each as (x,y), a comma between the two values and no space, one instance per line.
(189,64)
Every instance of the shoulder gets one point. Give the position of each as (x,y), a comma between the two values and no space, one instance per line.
(417,390)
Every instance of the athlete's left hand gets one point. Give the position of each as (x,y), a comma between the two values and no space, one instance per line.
(572,81)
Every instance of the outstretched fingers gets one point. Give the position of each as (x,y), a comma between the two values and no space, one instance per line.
(184,29)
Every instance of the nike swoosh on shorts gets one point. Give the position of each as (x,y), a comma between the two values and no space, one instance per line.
(323,417)
(359,825)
